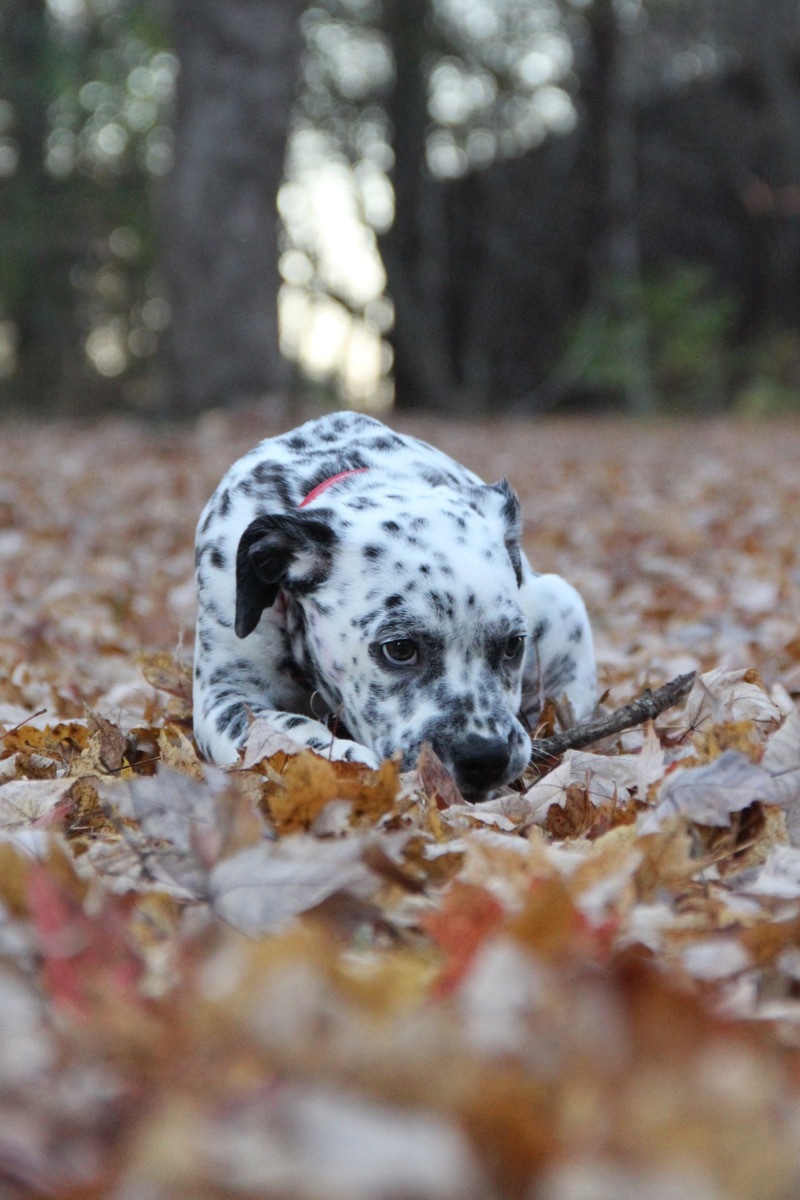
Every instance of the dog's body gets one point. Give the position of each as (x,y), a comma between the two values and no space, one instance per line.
(346,569)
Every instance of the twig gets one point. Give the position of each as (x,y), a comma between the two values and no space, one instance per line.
(20,724)
(646,708)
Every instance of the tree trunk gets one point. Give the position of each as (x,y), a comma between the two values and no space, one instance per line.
(624,233)
(238,70)
(36,254)
(414,250)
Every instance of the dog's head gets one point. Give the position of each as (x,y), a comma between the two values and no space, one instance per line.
(402,613)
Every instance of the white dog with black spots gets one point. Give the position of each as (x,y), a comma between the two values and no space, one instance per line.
(367,594)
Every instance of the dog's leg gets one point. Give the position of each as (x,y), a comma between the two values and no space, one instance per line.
(232,688)
(559,660)
(222,731)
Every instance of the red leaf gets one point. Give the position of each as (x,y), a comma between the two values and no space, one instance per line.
(468,916)
(86,958)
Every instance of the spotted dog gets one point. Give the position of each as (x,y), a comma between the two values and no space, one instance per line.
(366,593)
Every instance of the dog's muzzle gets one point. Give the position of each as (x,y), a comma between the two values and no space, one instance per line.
(480,764)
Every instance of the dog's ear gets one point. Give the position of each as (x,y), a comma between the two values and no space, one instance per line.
(279,550)
(511,518)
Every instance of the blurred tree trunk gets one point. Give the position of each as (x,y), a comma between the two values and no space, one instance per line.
(238,71)
(624,254)
(36,254)
(414,250)
(766,34)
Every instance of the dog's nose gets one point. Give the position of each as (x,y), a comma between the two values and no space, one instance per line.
(480,763)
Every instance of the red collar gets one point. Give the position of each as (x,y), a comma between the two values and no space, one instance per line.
(326,483)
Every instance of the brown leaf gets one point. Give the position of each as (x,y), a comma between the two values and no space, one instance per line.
(667,864)
(105,752)
(167,673)
(575,817)
(14,868)
(62,742)
(549,923)
(435,780)
(88,819)
(179,753)
(306,783)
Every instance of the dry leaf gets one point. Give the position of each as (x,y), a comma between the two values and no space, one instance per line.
(562,1018)
(468,915)
(435,781)
(722,695)
(307,783)
(708,795)
(265,741)
(28,802)
(167,673)
(260,888)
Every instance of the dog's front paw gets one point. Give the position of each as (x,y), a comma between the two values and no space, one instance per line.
(293,732)
(342,750)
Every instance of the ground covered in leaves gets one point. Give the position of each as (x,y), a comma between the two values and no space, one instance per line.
(298,979)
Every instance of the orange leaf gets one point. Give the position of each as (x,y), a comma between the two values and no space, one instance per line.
(467,917)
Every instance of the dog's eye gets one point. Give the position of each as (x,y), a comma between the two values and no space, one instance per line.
(514,647)
(400,653)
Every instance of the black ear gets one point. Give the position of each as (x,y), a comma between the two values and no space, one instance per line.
(279,550)
(510,515)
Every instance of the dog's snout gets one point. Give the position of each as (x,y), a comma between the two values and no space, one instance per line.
(480,763)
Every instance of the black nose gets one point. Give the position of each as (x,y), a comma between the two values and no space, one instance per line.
(480,763)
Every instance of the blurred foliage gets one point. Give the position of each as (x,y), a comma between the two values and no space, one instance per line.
(770,371)
(472,238)
(688,323)
(85,92)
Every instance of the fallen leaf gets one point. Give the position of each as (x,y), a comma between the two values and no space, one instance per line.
(468,915)
(778,876)
(262,887)
(723,695)
(178,753)
(782,759)
(582,782)
(27,802)
(61,742)
(164,671)
(307,783)
(435,781)
(708,795)
(265,741)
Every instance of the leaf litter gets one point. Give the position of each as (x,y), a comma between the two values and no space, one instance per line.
(297,977)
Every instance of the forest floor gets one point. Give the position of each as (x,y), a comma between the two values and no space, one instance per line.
(298,979)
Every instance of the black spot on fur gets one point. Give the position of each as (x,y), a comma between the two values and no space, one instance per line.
(386,442)
(233,715)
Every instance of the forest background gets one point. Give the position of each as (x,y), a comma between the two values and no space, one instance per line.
(484,204)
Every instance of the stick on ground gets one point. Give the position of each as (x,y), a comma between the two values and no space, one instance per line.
(646,708)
